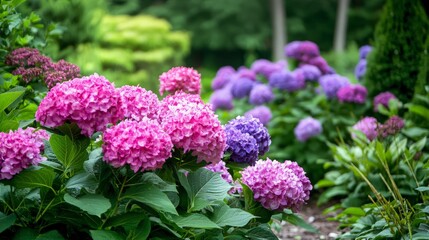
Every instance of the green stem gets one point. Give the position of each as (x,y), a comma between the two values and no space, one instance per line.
(38,216)
(118,199)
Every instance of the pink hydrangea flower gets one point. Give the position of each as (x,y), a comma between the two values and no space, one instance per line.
(367,125)
(20,149)
(221,168)
(277,185)
(352,94)
(180,78)
(193,126)
(383,99)
(138,103)
(91,102)
(143,145)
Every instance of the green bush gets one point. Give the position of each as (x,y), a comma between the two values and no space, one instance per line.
(399,40)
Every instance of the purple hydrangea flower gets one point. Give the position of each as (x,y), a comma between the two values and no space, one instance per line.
(277,185)
(364,51)
(302,50)
(383,99)
(242,146)
(222,99)
(391,127)
(321,63)
(367,125)
(241,87)
(262,113)
(307,128)
(253,127)
(310,72)
(223,77)
(266,67)
(221,168)
(360,69)
(291,49)
(260,94)
(332,83)
(288,81)
(244,72)
(352,93)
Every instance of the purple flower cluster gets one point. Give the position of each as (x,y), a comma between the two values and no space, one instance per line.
(180,79)
(138,103)
(253,127)
(223,77)
(383,99)
(241,87)
(352,94)
(244,72)
(288,81)
(60,72)
(222,99)
(302,50)
(142,145)
(260,94)
(277,185)
(331,83)
(360,68)
(364,51)
(20,149)
(307,128)
(242,146)
(321,63)
(262,113)
(310,72)
(221,168)
(391,127)
(91,102)
(266,68)
(368,126)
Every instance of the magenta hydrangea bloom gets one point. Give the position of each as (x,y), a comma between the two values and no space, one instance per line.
(352,94)
(223,77)
(222,99)
(263,113)
(180,79)
(19,150)
(266,68)
(143,145)
(138,103)
(383,99)
(242,146)
(367,125)
(277,185)
(307,128)
(261,94)
(91,102)
(221,168)
(332,83)
(193,126)
(391,127)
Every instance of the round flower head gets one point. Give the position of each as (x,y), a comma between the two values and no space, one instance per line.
(143,145)
(391,127)
(364,51)
(310,72)
(260,94)
(60,72)
(222,99)
(244,72)
(277,185)
(307,50)
(307,128)
(241,87)
(367,125)
(332,83)
(360,69)
(180,78)
(383,99)
(266,68)
(221,168)
(91,102)
(242,146)
(285,80)
(223,77)
(254,128)
(352,93)
(320,63)
(175,100)
(262,113)
(193,126)
(138,103)
(19,150)
(291,49)
(26,57)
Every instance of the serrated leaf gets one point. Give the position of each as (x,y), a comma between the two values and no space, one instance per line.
(35,177)
(226,216)
(91,203)
(83,180)
(194,220)
(70,153)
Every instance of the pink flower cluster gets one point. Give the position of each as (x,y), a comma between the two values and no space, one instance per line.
(60,72)
(221,168)
(180,79)
(277,185)
(20,149)
(193,126)
(91,102)
(138,103)
(143,145)
(368,126)
(392,126)
(383,99)
(352,94)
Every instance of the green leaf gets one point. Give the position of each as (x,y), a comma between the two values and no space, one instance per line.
(298,221)
(51,235)
(151,196)
(6,221)
(422,189)
(226,216)
(105,235)
(25,233)
(159,182)
(83,180)
(91,203)
(142,231)
(7,125)
(194,220)
(261,232)
(356,211)
(34,177)
(7,98)
(420,110)
(70,153)
(128,220)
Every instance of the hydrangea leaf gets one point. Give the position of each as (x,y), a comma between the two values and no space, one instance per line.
(105,235)
(226,216)
(194,220)
(70,153)
(91,203)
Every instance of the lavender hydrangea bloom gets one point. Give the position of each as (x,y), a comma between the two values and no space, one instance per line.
(223,77)
(307,128)
(383,99)
(244,72)
(253,127)
(391,127)
(262,113)
(221,168)
(241,87)
(222,99)
(266,67)
(352,93)
(310,72)
(291,49)
(242,146)
(360,69)
(364,51)
(332,83)
(260,94)
(367,125)
(285,80)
